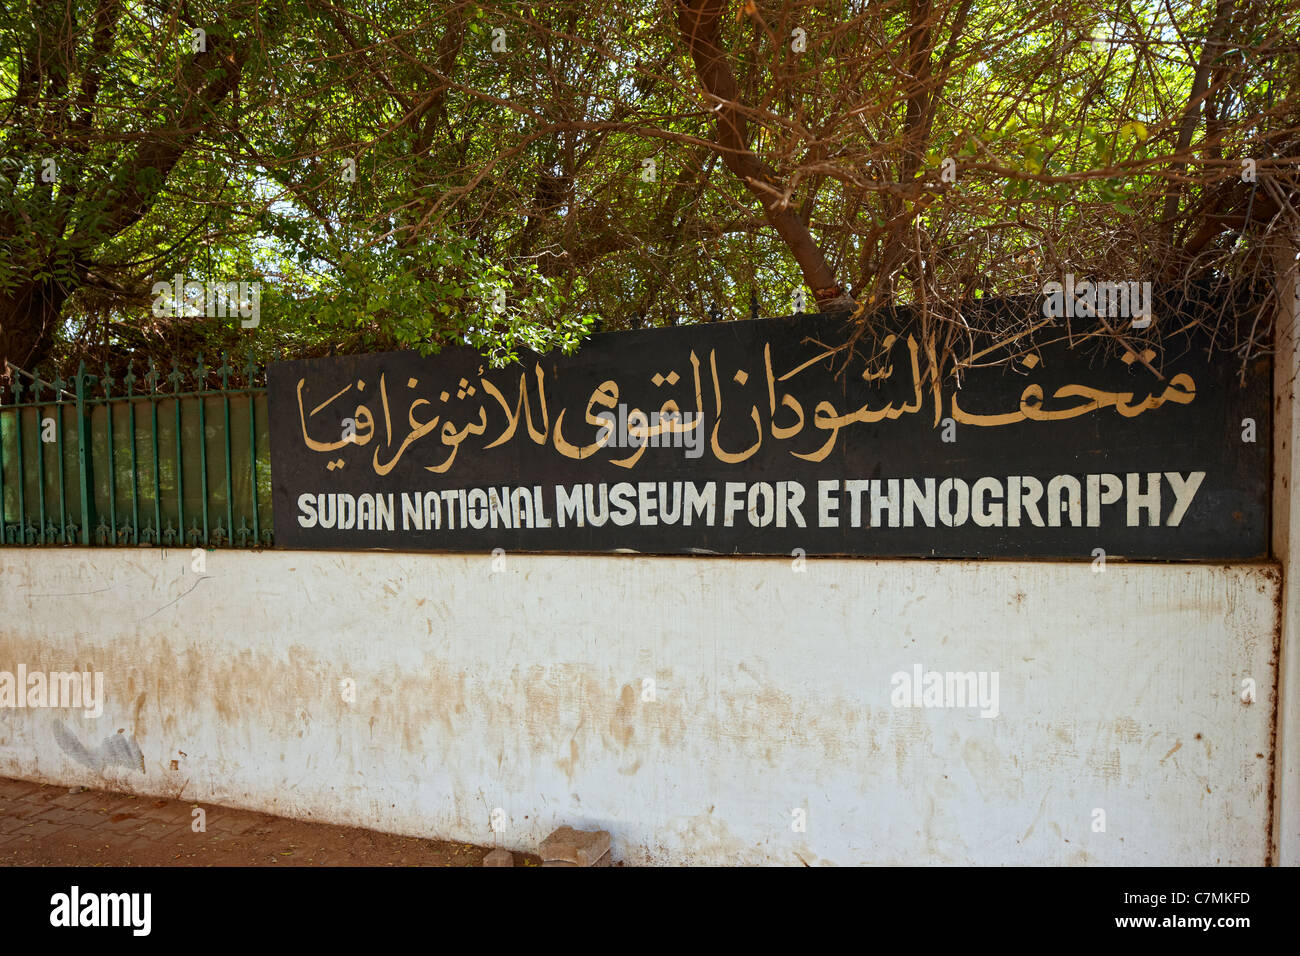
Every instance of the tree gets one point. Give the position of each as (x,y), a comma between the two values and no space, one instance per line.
(93,133)
(399,174)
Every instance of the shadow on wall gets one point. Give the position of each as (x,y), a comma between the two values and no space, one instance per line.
(116,751)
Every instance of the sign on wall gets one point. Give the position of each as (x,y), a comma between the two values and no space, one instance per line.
(779,437)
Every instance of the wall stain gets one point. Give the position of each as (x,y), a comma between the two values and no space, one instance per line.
(118,750)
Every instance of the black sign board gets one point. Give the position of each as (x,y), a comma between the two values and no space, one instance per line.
(779,437)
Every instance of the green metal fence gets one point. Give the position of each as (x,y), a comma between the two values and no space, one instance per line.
(146,461)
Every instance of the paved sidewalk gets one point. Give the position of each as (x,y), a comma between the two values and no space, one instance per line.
(49,826)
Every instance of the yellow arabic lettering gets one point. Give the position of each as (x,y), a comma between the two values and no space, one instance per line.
(780,432)
(418,431)
(449,432)
(1179,396)
(828,420)
(730,457)
(312,443)
(605,395)
(963,417)
(522,409)
(363,419)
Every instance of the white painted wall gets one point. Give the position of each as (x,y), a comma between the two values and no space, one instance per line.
(1286,544)
(522,689)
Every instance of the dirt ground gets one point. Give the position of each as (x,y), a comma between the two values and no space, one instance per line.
(49,826)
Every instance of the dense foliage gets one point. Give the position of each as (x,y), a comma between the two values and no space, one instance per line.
(511,175)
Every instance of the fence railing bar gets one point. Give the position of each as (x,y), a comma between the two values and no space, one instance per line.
(157,477)
(176,378)
(180,472)
(4,502)
(230,488)
(84,462)
(224,371)
(251,370)
(63,484)
(129,381)
(135,480)
(37,383)
(107,383)
(40,473)
(203,468)
(22,476)
(207,393)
